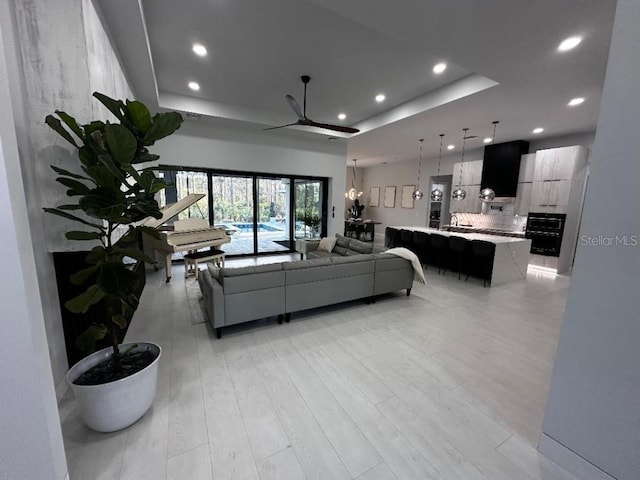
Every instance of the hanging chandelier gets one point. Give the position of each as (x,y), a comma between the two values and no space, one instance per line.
(487,194)
(417,193)
(437,194)
(353,193)
(459,193)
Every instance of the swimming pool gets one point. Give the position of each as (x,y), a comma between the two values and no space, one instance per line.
(262,227)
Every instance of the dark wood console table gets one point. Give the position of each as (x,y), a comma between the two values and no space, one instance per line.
(362,230)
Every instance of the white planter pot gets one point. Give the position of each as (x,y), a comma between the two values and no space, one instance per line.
(115,405)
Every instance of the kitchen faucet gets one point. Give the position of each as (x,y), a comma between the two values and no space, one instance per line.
(452,217)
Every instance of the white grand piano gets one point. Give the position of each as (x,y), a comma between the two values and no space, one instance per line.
(187,235)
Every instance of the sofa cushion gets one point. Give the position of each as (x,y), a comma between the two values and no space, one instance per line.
(360,247)
(378,249)
(327,244)
(319,254)
(342,241)
(339,250)
(246,279)
(214,270)
(323,269)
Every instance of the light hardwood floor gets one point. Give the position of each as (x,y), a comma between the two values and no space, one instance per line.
(449,383)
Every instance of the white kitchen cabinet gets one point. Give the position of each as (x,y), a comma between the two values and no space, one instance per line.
(550,193)
(473,172)
(545,165)
(467,173)
(565,163)
(527,166)
(473,204)
(523,198)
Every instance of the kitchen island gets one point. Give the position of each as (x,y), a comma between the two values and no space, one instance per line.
(511,259)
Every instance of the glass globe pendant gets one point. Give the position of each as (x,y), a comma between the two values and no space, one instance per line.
(417,193)
(487,194)
(437,194)
(459,193)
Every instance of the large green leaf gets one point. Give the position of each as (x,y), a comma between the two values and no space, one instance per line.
(152,232)
(70,207)
(139,115)
(120,321)
(75,187)
(82,302)
(114,106)
(93,126)
(87,340)
(97,255)
(56,125)
(113,169)
(116,280)
(121,142)
(103,176)
(68,216)
(164,124)
(80,235)
(67,173)
(145,157)
(81,276)
(71,123)
(103,203)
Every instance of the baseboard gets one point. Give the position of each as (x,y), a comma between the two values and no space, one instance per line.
(570,460)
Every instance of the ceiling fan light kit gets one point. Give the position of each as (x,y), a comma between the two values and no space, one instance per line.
(302,114)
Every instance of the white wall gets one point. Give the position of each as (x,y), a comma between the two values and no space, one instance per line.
(209,145)
(31,444)
(53,63)
(594,403)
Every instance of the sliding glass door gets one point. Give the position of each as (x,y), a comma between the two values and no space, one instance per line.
(309,202)
(261,213)
(274,219)
(233,209)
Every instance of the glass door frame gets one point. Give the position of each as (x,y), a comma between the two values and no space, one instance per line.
(211,172)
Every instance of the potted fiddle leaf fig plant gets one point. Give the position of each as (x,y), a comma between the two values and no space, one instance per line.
(114,194)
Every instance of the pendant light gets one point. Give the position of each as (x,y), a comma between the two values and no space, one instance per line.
(436,193)
(417,193)
(487,194)
(353,192)
(459,193)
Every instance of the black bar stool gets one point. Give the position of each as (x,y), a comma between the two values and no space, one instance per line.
(421,243)
(391,237)
(406,239)
(482,260)
(439,250)
(459,254)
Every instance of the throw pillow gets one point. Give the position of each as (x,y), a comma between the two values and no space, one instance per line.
(326,244)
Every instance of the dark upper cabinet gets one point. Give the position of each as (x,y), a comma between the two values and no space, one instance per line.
(501,167)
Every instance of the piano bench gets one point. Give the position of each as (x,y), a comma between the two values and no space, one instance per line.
(191,260)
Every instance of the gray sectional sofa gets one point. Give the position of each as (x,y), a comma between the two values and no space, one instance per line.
(237,295)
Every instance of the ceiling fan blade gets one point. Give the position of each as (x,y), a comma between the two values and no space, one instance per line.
(282,126)
(329,126)
(294,106)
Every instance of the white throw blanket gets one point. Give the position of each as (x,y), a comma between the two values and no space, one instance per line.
(418,274)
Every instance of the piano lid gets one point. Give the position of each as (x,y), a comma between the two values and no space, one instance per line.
(173,209)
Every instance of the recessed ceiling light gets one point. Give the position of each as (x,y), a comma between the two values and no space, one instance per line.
(342,116)
(575,101)
(487,140)
(194,86)
(380,98)
(450,147)
(569,43)
(199,50)
(439,67)
(538,130)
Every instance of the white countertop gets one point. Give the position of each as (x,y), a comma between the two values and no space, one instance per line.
(497,239)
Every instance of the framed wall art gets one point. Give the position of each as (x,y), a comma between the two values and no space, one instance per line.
(407,196)
(390,197)
(374,196)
